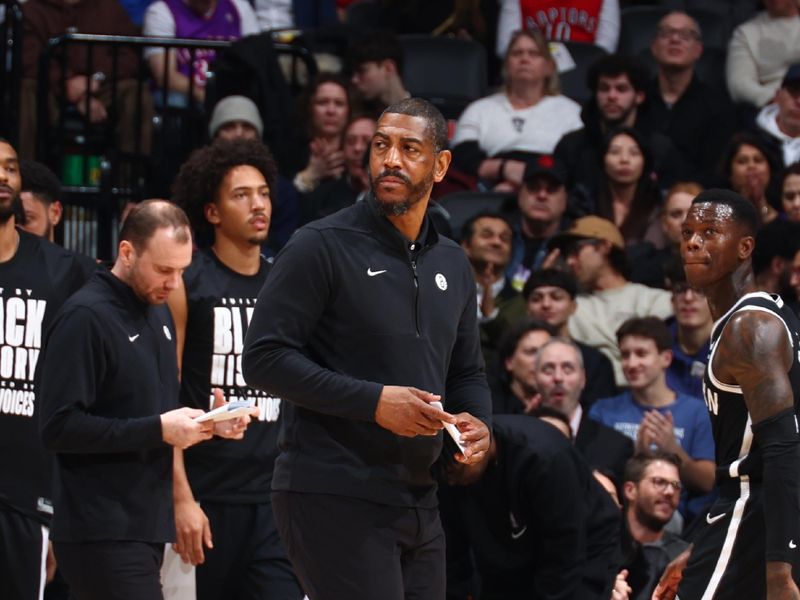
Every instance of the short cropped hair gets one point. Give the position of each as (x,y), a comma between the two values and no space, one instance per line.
(550,278)
(149,216)
(651,328)
(508,343)
(377,47)
(638,463)
(436,125)
(563,341)
(468,229)
(40,181)
(200,177)
(614,65)
(743,211)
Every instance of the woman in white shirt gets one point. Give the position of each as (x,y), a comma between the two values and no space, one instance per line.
(496,134)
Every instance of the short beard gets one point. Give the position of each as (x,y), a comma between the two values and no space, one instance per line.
(12,209)
(415,194)
(651,522)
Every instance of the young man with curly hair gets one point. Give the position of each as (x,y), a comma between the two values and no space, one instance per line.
(227,191)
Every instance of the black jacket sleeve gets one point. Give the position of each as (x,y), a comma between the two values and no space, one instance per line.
(74,364)
(286,314)
(468,156)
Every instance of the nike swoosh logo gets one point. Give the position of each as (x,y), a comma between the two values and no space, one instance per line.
(792,545)
(372,273)
(515,535)
(711,520)
(132,338)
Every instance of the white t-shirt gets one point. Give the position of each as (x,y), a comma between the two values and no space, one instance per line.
(600,314)
(274,14)
(159,22)
(767,119)
(498,127)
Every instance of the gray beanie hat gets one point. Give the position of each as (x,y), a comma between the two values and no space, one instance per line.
(235,108)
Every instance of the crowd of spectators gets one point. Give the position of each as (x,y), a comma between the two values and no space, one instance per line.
(585,316)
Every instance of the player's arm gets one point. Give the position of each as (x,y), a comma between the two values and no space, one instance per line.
(179,308)
(756,351)
(191,524)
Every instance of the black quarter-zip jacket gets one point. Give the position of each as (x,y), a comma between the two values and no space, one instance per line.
(109,370)
(350,306)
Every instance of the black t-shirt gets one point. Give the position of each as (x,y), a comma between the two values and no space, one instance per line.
(33,286)
(220,303)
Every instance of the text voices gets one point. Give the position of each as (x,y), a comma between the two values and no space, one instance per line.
(20,337)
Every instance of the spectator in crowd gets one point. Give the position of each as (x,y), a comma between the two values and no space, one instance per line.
(652,490)
(781,118)
(618,86)
(542,203)
(654,415)
(761,50)
(628,194)
(531,519)
(238,118)
(41,199)
(225,189)
(37,278)
(497,134)
(513,384)
(794,279)
(690,329)
(676,205)
(698,119)
(184,70)
(790,193)
(377,65)
(291,14)
(596,23)
(752,166)
(595,253)
(776,243)
(327,113)
(353,184)
(486,240)
(560,379)
(89,93)
(549,296)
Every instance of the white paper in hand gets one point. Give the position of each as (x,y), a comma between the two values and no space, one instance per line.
(451,429)
(230,410)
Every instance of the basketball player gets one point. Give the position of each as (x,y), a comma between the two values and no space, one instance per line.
(748,545)
(230,535)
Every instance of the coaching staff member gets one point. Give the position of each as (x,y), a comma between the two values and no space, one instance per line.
(748,546)
(368,316)
(109,412)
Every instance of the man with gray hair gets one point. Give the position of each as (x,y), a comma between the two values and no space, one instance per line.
(560,379)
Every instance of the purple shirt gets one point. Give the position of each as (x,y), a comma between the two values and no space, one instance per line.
(223,24)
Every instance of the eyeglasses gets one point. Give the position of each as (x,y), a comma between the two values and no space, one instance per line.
(661,484)
(575,247)
(682,287)
(684,35)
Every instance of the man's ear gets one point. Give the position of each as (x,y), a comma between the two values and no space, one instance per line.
(442,164)
(54,213)
(211,213)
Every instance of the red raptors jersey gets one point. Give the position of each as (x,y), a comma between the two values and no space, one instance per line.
(562,20)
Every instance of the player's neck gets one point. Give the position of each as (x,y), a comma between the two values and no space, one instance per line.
(242,257)
(9,240)
(655,395)
(410,223)
(727,292)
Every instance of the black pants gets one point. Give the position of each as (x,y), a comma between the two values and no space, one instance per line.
(23,552)
(346,548)
(117,570)
(248,561)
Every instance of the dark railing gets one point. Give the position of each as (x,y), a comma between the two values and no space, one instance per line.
(99,174)
(10,69)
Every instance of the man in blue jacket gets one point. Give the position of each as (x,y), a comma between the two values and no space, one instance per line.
(367,318)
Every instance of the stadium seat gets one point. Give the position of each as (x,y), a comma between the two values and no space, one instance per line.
(448,72)
(573,80)
(716,28)
(638,27)
(458,207)
(365,14)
